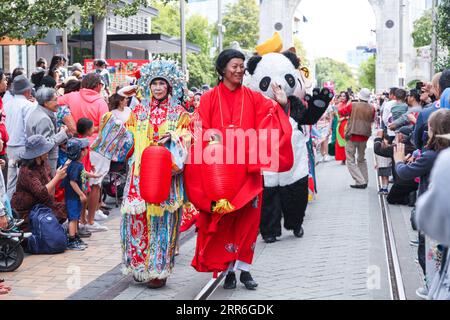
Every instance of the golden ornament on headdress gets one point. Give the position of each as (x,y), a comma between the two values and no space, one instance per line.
(274,44)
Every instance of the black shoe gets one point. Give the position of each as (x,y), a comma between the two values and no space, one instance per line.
(230,281)
(299,233)
(247,280)
(269,239)
(359,186)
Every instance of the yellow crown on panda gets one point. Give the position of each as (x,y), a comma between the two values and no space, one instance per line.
(274,44)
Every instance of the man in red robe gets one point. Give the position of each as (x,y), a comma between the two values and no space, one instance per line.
(226,241)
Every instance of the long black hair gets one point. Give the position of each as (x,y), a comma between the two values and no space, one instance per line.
(54,65)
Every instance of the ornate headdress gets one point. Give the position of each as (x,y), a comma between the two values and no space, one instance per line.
(167,70)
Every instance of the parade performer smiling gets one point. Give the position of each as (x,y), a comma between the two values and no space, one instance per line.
(228,227)
(149,231)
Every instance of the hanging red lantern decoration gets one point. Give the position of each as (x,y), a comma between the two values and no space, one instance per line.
(155,177)
(222,181)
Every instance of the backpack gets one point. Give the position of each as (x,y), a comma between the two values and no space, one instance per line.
(48,235)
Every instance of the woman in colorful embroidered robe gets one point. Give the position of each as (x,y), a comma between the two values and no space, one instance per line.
(340,130)
(226,242)
(149,237)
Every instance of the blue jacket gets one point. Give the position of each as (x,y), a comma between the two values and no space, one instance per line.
(420,134)
(419,168)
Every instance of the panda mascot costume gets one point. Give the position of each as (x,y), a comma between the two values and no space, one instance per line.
(286,194)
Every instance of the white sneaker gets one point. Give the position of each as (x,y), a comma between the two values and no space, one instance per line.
(100,216)
(327,158)
(96,227)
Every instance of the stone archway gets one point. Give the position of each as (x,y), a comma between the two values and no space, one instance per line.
(275,13)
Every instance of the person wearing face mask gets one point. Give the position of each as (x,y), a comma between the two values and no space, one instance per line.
(228,228)
(159,119)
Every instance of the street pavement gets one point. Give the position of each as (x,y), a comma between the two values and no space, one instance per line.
(54,277)
(341,256)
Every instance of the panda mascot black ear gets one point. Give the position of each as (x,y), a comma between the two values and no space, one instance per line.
(292,57)
(253,63)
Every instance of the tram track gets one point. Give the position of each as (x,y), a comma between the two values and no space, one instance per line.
(397,288)
(395,278)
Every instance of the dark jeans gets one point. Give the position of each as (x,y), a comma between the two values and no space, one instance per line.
(290,202)
(421,251)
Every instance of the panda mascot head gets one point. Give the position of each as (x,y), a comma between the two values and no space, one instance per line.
(280,68)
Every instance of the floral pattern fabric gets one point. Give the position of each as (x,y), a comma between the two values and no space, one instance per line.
(149,240)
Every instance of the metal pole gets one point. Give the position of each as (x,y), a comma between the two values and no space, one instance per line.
(434,45)
(183,36)
(65,48)
(219,24)
(400,60)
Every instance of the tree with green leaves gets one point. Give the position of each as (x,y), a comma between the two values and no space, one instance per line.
(301,51)
(198,32)
(423,29)
(241,21)
(24,19)
(340,73)
(168,20)
(443,35)
(367,73)
(32,19)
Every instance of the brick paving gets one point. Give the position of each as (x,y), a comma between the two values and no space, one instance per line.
(54,277)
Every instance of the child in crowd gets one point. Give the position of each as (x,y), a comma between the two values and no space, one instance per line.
(75,185)
(383,165)
(400,106)
(85,129)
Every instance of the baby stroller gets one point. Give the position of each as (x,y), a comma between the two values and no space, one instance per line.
(11,251)
(113,184)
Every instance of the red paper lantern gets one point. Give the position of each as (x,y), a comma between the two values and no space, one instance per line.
(222,180)
(155,174)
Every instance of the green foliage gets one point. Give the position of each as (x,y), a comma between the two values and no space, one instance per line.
(340,73)
(31,20)
(412,84)
(443,34)
(367,73)
(241,21)
(301,51)
(423,30)
(168,21)
(22,20)
(201,70)
(198,32)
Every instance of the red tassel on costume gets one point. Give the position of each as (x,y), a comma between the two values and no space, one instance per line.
(155,174)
